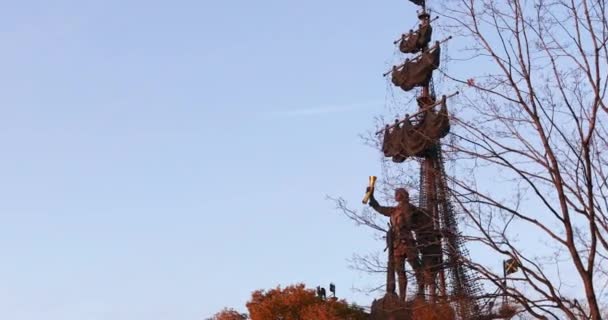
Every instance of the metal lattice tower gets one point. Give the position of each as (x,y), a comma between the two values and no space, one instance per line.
(454,280)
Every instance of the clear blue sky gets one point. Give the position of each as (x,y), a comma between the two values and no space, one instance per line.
(162,159)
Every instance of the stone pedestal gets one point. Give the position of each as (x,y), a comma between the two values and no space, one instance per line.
(390,307)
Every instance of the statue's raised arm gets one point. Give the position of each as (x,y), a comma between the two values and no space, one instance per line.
(386,211)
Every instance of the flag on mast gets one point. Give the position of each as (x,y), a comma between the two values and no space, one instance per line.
(510,266)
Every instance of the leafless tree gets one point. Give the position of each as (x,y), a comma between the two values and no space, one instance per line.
(529,145)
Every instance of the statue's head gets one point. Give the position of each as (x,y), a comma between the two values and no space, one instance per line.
(401,195)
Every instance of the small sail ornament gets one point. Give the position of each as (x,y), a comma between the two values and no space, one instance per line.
(417,72)
(407,139)
(415,41)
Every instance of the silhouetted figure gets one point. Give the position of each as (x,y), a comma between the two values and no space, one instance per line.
(321,293)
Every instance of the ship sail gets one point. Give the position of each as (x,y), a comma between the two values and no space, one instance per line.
(417,72)
(413,140)
(415,41)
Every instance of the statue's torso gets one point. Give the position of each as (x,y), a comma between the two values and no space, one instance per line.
(401,222)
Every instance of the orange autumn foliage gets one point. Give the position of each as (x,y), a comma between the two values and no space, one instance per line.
(422,310)
(298,303)
(229,314)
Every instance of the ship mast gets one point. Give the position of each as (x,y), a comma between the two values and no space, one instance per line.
(441,247)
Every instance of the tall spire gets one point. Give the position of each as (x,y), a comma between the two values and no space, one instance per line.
(439,244)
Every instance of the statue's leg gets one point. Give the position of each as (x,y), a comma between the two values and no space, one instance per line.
(390,273)
(425,269)
(400,265)
(429,282)
(414,261)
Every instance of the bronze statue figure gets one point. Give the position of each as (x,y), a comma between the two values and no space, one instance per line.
(402,244)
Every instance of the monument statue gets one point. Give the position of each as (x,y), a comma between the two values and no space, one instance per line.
(401,241)
(427,235)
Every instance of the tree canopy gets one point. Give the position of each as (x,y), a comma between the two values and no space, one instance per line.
(294,302)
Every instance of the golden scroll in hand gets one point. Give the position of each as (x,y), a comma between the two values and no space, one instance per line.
(370,189)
